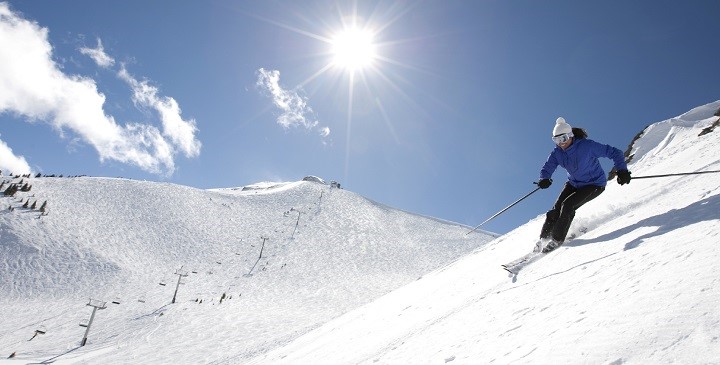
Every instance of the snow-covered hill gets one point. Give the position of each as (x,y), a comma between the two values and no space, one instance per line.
(639,286)
(264,265)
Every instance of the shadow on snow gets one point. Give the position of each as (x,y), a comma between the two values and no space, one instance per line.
(703,210)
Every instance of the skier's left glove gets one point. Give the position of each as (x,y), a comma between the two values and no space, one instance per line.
(623,177)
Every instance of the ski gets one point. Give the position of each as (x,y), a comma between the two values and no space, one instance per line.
(515,266)
(521,259)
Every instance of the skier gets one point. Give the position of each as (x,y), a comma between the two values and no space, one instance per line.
(586,179)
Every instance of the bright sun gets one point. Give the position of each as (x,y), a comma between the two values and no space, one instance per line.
(353,49)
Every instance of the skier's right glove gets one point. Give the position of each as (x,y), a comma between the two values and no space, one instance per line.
(544,183)
(623,177)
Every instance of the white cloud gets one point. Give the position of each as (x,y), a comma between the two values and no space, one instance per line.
(325,131)
(181,132)
(34,87)
(98,55)
(10,163)
(293,106)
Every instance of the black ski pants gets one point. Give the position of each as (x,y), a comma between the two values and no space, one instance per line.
(558,219)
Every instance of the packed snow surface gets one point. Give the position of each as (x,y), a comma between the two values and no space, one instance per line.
(302,273)
(258,266)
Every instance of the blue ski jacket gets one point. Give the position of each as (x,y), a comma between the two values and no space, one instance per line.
(581,162)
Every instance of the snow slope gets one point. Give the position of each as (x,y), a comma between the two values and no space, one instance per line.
(264,265)
(639,285)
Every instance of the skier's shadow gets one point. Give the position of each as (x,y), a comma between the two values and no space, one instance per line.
(704,210)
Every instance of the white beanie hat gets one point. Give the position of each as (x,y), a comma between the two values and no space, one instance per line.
(561,127)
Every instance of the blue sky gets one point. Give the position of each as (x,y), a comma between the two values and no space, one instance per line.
(451,118)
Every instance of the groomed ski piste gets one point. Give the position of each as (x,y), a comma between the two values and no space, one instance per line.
(356,282)
(259,266)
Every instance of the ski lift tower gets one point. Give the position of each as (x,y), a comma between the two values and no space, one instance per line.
(96,304)
(181,274)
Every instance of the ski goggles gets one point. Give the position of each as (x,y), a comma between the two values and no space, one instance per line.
(562,138)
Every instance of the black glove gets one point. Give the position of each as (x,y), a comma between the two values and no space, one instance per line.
(623,177)
(544,183)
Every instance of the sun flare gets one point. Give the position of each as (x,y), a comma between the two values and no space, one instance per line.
(353,49)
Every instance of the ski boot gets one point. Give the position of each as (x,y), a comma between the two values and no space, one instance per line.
(551,245)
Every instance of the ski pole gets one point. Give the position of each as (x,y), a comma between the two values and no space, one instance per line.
(503,211)
(678,174)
